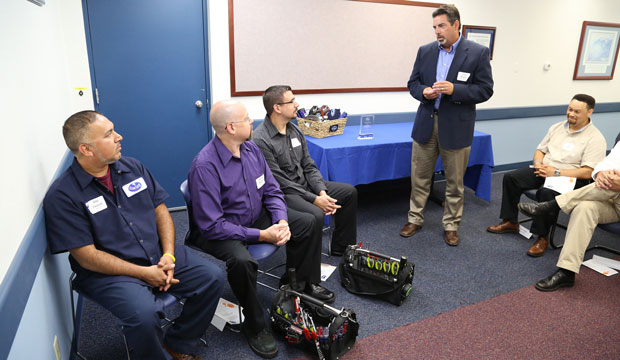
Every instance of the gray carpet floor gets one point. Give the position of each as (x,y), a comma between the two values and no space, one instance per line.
(483,266)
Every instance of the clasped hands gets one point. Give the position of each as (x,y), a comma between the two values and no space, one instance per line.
(543,171)
(440,87)
(326,203)
(161,275)
(277,234)
(608,180)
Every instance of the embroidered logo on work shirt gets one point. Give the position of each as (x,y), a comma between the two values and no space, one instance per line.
(134,187)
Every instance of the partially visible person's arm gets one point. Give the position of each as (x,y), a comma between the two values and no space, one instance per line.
(102,262)
(165,230)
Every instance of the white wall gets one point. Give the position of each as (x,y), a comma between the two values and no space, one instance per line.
(529,34)
(43,59)
(47,314)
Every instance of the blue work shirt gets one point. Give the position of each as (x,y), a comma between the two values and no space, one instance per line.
(80,211)
(443,65)
(229,192)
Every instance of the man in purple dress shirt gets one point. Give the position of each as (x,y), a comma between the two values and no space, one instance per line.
(236,201)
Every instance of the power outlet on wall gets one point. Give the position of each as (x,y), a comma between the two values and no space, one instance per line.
(57,348)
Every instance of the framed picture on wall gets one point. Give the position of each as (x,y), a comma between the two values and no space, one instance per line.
(483,35)
(598,51)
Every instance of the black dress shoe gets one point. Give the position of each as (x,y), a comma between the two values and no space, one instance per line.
(320,293)
(336,253)
(560,278)
(262,343)
(538,209)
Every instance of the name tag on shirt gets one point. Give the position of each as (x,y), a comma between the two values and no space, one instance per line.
(295,142)
(568,146)
(134,187)
(260,181)
(97,204)
(462,76)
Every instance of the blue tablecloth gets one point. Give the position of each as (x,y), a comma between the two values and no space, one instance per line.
(346,159)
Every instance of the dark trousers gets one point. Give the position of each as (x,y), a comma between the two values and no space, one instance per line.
(303,253)
(515,183)
(345,231)
(139,312)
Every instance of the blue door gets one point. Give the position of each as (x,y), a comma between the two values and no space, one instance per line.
(148,64)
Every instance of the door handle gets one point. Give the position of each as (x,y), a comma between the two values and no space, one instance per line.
(198,104)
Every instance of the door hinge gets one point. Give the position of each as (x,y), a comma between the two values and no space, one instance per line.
(97,96)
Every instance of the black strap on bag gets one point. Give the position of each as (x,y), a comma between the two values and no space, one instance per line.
(365,272)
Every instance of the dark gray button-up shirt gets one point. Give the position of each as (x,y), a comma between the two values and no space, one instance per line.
(289,161)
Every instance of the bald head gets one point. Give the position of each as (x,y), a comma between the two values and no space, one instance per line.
(226,111)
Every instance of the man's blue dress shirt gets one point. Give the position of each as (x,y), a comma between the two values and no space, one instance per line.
(443,65)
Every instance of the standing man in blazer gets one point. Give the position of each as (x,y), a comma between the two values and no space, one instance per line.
(449,78)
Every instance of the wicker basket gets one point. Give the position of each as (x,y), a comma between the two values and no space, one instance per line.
(321,129)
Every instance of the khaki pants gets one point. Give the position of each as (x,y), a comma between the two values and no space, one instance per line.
(588,207)
(423,160)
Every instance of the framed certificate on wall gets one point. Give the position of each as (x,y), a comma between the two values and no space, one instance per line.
(483,35)
(598,51)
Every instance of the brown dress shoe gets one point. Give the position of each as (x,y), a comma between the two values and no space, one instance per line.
(179,356)
(409,229)
(504,227)
(539,247)
(451,237)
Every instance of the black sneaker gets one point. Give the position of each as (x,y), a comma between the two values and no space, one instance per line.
(263,343)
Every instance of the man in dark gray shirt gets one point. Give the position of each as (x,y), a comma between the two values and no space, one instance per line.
(286,152)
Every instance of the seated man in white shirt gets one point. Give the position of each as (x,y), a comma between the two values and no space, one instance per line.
(597,203)
(570,148)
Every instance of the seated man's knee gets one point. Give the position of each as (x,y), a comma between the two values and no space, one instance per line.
(545,194)
(241,263)
(508,178)
(351,191)
(145,317)
(308,221)
(215,274)
(317,213)
(586,209)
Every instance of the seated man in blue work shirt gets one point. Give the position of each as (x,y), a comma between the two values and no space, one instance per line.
(109,213)
(286,152)
(236,201)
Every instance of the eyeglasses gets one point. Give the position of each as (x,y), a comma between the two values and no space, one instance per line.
(288,102)
(247,119)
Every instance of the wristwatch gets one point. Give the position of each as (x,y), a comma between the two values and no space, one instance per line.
(557,172)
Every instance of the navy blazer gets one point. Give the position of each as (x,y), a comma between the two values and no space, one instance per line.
(457,112)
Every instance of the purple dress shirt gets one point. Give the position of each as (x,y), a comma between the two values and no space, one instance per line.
(229,192)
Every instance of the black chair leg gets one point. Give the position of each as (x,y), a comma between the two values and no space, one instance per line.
(551,236)
(605,248)
(76,326)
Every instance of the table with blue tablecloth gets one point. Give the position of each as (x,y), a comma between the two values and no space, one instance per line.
(387,156)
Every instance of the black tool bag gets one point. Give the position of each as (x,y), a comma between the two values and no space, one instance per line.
(365,272)
(312,324)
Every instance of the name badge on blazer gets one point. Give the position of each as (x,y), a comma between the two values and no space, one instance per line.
(462,76)
(134,187)
(295,142)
